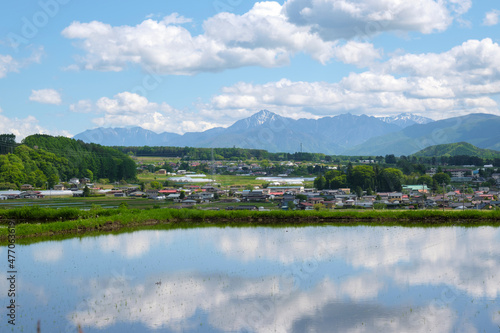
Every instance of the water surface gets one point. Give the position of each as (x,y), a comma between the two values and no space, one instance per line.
(311,279)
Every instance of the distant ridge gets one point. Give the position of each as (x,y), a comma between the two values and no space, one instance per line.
(479,129)
(456,149)
(263,130)
(345,134)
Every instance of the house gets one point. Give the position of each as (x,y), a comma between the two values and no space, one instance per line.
(305,206)
(26,187)
(459,173)
(255,196)
(189,202)
(152,193)
(31,195)
(173,196)
(395,196)
(75,181)
(2,197)
(294,189)
(119,195)
(85,181)
(162,172)
(59,187)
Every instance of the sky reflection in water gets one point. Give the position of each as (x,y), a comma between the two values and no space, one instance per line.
(314,279)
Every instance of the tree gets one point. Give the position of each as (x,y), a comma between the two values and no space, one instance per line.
(441,178)
(319,206)
(362,176)
(320,182)
(291,205)
(425,179)
(359,191)
(155,185)
(182,195)
(390,159)
(301,197)
(390,179)
(86,191)
(53,180)
(89,174)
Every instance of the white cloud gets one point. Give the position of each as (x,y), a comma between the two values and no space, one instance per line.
(268,35)
(335,19)
(175,18)
(22,128)
(260,37)
(82,106)
(46,96)
(130,109)
(9,64)
(438,85)
(491,17)
(356,53)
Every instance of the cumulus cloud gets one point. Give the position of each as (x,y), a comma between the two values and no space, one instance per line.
(335,19)
(22,127)
(228,41)
(46,96)
(491,18)
(82,106)
(356,53)
(438,85)
(9,64)
(131,109)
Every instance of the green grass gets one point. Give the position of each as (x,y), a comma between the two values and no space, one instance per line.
(36,221)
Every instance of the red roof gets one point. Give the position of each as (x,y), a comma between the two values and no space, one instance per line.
(167,191)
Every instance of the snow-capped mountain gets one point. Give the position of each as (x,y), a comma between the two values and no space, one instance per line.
(404,120)
(263,130)
(261,118)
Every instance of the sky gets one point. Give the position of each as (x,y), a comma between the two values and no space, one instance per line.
(183,66)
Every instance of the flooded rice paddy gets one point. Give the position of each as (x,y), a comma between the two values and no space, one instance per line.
(309,279)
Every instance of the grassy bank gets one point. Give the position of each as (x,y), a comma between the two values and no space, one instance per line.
(36,222)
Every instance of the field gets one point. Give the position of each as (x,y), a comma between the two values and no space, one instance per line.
(39,223)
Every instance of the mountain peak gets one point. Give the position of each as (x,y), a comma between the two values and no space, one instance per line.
(263,116)
(406,119)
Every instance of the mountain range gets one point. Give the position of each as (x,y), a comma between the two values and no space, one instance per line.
(343,134)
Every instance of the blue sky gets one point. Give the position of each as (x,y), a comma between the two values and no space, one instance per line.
(180,66)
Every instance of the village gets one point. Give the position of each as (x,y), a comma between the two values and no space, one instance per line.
(251,186)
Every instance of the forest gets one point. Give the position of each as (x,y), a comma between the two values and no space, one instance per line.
(43,161)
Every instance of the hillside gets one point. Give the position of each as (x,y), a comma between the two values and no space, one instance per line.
(43,160)
(478,129)
(457,149)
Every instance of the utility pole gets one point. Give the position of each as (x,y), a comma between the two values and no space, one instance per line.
(463,196)
(444,195)
(423,195)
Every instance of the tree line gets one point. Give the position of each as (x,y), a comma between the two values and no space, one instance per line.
(375,178)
